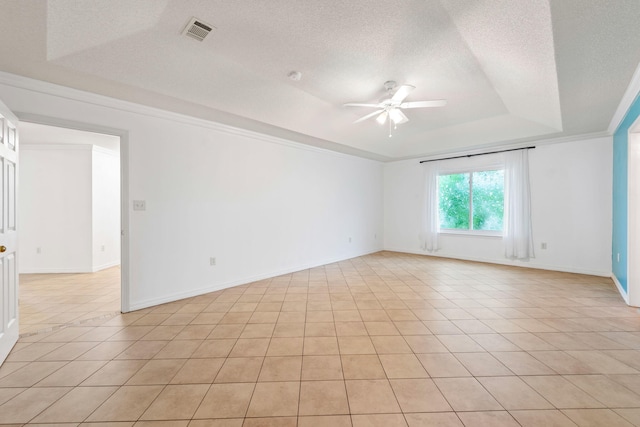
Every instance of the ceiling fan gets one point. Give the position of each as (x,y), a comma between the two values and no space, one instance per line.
(391,106)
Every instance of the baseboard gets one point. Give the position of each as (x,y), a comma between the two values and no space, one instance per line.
(56,270)
(505,262)
(97,268)
(623,293)
(243,281)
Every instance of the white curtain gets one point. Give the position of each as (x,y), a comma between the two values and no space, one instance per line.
(429,224)
(517,233)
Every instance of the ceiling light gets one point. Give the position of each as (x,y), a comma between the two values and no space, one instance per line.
(395,115)
(382,118)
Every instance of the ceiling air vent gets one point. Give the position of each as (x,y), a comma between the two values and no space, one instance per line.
(197,29)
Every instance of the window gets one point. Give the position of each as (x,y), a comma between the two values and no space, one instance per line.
(471,201)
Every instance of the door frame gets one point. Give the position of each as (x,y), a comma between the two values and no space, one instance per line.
(633,208)
(125,299)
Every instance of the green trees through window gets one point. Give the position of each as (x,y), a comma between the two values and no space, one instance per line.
(471,201)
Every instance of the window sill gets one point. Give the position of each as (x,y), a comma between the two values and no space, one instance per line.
(472,233)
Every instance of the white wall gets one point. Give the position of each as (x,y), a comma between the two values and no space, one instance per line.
(105,201)
(260,205)
(55,213)
(571,187)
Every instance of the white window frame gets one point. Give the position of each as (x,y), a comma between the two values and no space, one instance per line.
(469,232)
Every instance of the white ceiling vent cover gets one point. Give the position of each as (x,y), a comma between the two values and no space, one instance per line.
(197,29)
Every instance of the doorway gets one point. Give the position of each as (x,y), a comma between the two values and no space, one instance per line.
(69,216)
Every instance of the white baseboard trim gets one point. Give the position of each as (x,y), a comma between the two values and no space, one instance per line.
(97,268)
(505,262)
(138,305)
(56,270)
(625,295)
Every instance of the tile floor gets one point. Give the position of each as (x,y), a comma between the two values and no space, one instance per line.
(382,340)
(51,301)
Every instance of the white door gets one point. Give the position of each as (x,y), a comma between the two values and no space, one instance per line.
(8,231)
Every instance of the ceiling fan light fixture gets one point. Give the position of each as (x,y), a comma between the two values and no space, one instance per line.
(382,118)
(395,116)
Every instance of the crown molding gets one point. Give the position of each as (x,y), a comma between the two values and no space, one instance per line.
(627,99)
(65,92)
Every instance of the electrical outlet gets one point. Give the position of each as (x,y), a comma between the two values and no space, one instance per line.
(212,261)
(543,245)
(618,256)
(102,248)
(349,239)
(139,205)
(38,250)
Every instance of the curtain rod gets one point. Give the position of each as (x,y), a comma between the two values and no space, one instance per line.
(479,154)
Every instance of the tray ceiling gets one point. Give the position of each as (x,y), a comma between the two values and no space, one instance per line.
(510,70)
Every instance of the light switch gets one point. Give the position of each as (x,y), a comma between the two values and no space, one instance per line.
(139,205)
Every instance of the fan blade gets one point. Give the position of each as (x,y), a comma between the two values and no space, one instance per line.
(382,118)
(352,104)
(423,104)
(402,92)
(398,116)
(368,116)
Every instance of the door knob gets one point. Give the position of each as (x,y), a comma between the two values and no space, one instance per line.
(3,248)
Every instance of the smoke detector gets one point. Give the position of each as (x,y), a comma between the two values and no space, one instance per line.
(196,29)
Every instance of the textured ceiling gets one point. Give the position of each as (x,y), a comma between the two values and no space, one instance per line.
(510,70)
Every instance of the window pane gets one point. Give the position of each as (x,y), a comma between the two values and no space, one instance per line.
(488,200)
(453,194)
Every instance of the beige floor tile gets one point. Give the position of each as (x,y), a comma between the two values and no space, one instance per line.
(240,369)
(323,329)
(30,374)
(350,329)
(488,419)
(513,393)
(317,346)
(561,393)
(76,405)
(275,399)
(596,418)
(559,323)
(325,421)
(29,403)
(467,394)
(214,348)
(156,372)
(198,371)
(250,347)
(176,402)
(415,327)
(459,343)
(390,345)
(226,401)
(547,418)
(442,365)
(72,374)
(402,366)
(323,398)
(356,345)
(126,404)
(482,364)
(378,420)
(606,390)
(425,344)
(321,368)
(371,397)
(631,415)
(443,419)
(419,395)
(281,368)
(285,347)
(142,350)
(360,367)
(522,363)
